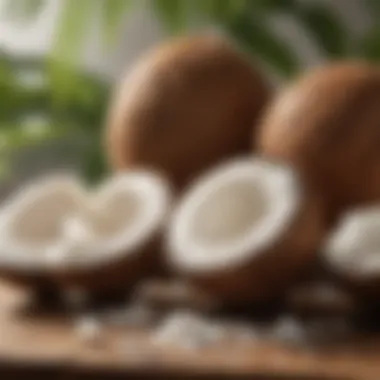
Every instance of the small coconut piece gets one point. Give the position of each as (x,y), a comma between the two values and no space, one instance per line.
(352,251)
(326,125)
(89,330)
(245,231)
(164,295)
(95,241)
(30,225)
(321,299)
(184,106)
(188,330)
(289,330)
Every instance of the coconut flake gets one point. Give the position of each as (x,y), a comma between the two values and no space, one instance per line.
(355,245)
(89,330)
(288,330)
(134,316)
(187,330)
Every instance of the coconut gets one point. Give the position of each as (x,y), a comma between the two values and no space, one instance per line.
(327,125)
(245,230)
(183,107)
(57,231)
(352,251)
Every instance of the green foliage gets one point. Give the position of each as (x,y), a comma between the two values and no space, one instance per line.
(259,40)
(326,28)
(43,100)
(29,114)
(113,17)
(173,13)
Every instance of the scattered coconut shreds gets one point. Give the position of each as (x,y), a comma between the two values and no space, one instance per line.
(89,330)
(188,331)
(134,316)
(288,330)
(243,333)
(329,330)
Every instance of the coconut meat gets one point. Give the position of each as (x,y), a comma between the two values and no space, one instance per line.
(232,213)
(123,213)
(59,222)
(354,246)
(31,221)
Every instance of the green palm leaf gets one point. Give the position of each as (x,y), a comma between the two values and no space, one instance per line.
(325,27)
(260,41)
(173,13)
(72,27)
(113,13)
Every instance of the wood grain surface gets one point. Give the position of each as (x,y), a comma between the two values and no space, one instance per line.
(38,345)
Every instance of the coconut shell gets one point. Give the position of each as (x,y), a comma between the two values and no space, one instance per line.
(184,107)
(103,269)
(117,276)
(268,274)
(364,287)
(271,270)
(327,124)
(104,277)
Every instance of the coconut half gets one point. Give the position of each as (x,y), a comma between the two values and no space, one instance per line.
(352,251)
(245,230)
(100,239)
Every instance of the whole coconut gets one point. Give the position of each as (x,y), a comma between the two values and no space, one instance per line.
(328,125)
(185,106)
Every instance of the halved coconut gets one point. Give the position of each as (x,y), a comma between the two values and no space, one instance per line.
(352,251)
(245,230)
(327,125)
(98,240)
(185,106)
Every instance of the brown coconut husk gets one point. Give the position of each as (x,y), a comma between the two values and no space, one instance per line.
(270,271)
(269,274)
(185,106)
(327,125)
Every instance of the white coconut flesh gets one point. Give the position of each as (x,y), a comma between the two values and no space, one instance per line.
(354,247)
(59,222)
(233,213)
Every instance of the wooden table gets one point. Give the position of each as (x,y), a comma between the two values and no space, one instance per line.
(48,348)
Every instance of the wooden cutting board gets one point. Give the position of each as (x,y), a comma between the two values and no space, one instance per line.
(33,342)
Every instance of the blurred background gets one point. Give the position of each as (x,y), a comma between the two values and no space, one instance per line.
(60,58)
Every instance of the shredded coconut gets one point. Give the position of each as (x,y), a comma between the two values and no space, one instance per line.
(288,330)
(89,330)
(135,315)
(187,330)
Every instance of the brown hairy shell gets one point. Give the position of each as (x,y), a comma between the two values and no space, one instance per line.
(328,125)
(269,274)
(185,106)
